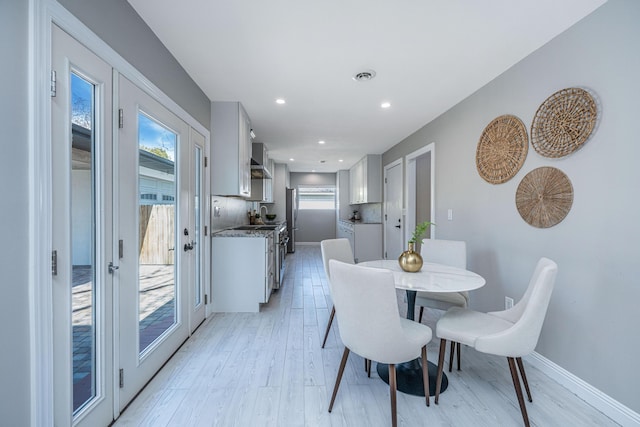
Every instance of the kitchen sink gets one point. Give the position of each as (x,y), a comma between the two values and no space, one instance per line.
(256,227)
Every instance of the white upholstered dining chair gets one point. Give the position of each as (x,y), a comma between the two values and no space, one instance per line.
(512,333)
(447,252)
(339,249)
(385,336)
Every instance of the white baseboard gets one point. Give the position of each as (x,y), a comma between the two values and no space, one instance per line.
(594,397)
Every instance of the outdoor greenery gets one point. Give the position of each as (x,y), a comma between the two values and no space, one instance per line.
(158,151)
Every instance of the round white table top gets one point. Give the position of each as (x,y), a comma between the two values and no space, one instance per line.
(431,278)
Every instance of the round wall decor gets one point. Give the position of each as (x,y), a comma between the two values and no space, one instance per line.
(563,122)
(544,197)
(502,149)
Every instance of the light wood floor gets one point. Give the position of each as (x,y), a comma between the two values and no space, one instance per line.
(268,369)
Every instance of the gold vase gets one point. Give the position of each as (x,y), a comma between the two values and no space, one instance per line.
(410,260)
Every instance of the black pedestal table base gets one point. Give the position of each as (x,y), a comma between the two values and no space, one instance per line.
(409,377)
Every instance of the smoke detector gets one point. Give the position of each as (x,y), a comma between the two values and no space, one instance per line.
(364,76)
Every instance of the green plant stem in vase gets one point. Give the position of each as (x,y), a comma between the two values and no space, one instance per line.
(410,260)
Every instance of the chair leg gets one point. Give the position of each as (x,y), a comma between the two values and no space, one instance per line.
(451,353)
(343,363)
(425,373)
(326,333)
(458,353)
(420,316)
(516,385)
(392,392)
(524,377)
(443,347)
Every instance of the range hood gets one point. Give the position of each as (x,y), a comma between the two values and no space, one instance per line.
(259,161)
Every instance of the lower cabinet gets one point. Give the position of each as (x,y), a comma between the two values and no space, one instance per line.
(242,272)
(365,239)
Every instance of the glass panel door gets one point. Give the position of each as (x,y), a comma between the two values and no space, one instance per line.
(197,220)
(82,235)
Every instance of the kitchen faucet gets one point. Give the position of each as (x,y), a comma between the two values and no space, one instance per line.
(265,208)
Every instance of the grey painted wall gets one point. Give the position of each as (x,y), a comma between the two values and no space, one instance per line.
(118,24)
(591,326)
(314,225)
(14,304)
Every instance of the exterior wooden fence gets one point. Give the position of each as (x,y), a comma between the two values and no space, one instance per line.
(157,234)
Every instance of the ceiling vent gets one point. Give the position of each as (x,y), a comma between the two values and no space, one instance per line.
(364,76)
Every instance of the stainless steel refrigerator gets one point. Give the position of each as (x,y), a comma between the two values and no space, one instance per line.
(292,216)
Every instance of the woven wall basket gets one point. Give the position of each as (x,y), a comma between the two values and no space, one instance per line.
(544,197)
(563,122)
(502,149)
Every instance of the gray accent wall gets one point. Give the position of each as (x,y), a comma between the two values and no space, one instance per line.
(314,226)
(591,329)
(14,191)
(118,25)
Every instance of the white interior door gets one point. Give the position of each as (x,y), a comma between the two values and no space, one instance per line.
(153,213)
(81,153)
(393,236)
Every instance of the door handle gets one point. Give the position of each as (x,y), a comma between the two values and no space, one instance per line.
(398,226)
(188,247)
(112,268)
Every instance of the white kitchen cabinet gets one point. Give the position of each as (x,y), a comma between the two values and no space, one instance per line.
(365,239)
(230,150)
(365,180)
(243,272)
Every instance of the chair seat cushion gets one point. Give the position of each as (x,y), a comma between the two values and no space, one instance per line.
(465,326)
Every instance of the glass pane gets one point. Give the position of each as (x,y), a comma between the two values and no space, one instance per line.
(83,240)
(197,212)
(157,239)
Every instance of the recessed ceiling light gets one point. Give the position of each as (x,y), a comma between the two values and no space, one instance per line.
(313,170)
(291,160)
(364,76)
(280,101)
(385,105)
(321,142)
(340,160)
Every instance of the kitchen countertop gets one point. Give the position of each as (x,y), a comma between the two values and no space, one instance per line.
(350,221)
(242,233)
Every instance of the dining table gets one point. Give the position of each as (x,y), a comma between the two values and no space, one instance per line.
(432,277)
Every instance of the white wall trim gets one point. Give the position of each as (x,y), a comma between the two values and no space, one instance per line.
(384,202)
(410,189)
(594,397)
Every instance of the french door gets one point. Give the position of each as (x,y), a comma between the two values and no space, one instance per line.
(154,239)
(82,234)
(128,219)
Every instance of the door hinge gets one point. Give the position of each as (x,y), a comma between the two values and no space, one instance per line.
(120,118)
(385,181)
(206,299)
(53,83)
(206,161)
(120,249)
(54,263)
(205,230)
(385,217)
(385,254)
(121,380)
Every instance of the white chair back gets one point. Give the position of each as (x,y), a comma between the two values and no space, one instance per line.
(339,249)
(527,315)
(367,311)
(447,252)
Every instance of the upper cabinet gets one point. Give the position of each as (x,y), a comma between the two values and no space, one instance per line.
(365,180)
(230,150)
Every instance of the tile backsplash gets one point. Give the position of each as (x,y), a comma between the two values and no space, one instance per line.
(227,212)
(369,212)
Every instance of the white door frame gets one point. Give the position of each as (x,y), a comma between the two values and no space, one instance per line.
(384,204)
(410,188)
(42,14)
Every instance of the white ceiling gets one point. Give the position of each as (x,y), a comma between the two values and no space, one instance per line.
(428,55)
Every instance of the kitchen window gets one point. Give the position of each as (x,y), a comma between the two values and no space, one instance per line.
(316,197)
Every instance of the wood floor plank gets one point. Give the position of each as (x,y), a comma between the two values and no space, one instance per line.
(268,369)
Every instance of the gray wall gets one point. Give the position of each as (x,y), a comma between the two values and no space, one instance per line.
(314,225)
(591,326)
(118,24)
(14,303)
